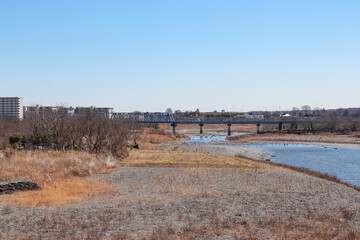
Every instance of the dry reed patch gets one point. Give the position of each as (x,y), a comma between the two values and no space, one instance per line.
(157,158)
(48,167)
(182,136)
(149,136)
(59,193)
(145,145)
(157,138)
(239,139)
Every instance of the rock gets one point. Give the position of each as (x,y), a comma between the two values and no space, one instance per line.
(8,187)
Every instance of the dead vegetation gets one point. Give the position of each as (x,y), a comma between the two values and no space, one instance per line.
(239,138)
(198,203)
(157,158)
(57,131)
(146,137)
(48,167)
(56,173)
(59,193)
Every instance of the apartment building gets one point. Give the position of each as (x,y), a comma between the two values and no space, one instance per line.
(69,111)
(103,112)
(32,110)
(84,110)
(39,109)
(11,107)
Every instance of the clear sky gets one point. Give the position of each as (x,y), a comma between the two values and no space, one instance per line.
(184,54)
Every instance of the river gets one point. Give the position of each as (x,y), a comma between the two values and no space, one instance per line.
(342,163)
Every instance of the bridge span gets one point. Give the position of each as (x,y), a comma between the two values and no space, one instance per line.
(228,123)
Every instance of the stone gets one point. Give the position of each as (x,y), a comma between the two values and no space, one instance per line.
(8,187)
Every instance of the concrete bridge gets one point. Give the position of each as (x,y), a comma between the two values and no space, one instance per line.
(228,123)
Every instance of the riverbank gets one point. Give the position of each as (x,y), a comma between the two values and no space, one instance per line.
(205,197)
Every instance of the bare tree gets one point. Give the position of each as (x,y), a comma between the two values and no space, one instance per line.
(97,134)
(91,133)
(306,108)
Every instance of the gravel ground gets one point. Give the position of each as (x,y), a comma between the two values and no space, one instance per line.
(188,203)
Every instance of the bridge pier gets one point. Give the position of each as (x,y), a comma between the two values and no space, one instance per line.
(174,128)
(280,126)
(201,128)
(229,129)
(258,128)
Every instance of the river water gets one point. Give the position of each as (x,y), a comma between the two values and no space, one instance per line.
(343,163)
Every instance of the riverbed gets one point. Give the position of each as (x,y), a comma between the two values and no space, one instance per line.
(343,163)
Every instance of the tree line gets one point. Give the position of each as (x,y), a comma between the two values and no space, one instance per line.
(56,130)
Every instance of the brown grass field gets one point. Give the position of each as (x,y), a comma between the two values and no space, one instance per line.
(59,193)
(57,173)
(150,136)
(157,158)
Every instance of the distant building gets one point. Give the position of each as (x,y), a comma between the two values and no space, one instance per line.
(69,111)
(47,109)
(83,110)
(32,110)
(11,107)
(248,116)
(103,112)
(38,109)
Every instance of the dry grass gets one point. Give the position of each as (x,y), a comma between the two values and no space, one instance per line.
(48,167)
(150,136)
(145,145)
(196,203)
(157,158)
(54,172)
(239,139)
(157,138)
(59,193)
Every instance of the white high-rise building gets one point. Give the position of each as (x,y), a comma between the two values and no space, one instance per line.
(11,107)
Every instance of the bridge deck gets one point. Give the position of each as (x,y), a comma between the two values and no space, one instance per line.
(217,122)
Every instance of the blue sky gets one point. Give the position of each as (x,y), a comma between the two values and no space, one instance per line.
(151,55)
